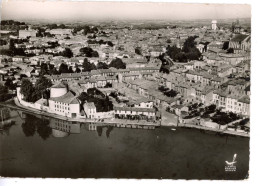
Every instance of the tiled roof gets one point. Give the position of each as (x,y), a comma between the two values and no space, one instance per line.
(59,85)
(135,109)
(89,105)
(66,98)
(245,99)
(239,38)
(141,100)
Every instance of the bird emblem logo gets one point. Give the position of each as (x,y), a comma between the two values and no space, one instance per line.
(232,162)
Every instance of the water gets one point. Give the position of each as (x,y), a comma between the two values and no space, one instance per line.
(37,146)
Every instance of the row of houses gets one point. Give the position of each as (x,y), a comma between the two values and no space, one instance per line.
(149,89)
(64,102)
(145,71)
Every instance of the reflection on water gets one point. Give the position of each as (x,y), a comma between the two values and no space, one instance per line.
(62,128)
(5,121)
(33,124)
(45,127)
(38,146)
(109,129)
(4,129)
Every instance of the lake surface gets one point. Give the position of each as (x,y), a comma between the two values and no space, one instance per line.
(37,146)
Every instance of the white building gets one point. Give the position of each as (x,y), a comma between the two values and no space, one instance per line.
(62,102)
(214,24)
(58,90)
(90,109)
(135,113)
(27,33)
(66,105)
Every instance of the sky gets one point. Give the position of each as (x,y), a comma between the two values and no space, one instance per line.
(69,10)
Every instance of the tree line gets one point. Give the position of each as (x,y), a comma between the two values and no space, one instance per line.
(187,53)
(115,63)
(101,101)
(86,29)
(32,93)
(50,69)
(101,42)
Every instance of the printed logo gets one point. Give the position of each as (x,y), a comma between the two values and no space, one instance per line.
(230,166)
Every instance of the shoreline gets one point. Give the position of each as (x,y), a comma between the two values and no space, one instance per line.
(199,127)
(123,122)
(80,120)
(216,130)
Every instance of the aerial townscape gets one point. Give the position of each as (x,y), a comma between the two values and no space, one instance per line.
(133,75)
(125,90)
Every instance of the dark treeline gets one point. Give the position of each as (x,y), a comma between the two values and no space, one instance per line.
(185,54)
(86,29)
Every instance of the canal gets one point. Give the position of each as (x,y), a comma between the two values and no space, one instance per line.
(37,146)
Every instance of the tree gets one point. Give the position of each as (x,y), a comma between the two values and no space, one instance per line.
(16,51)
(188,44)
(52,26)
(3,42)
(138,51)
(172,51)
(212,107)
(102,65)
(171,93)
(67,53)
(95,54)
(88,52)
(87,66)
(9,84)
(189,48)
(187,53)
(3,92)
(53,44)
(86,30)
(27,89)
(164,69)
(225,45)
(44,69)
(71,70)
(78,70)
(223,118)
(109,43)
(11,44)
(62,26)
(117,63)
(54,71)
(108,85)
(230,50)
(163,89)
(63,68)
(41,86)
